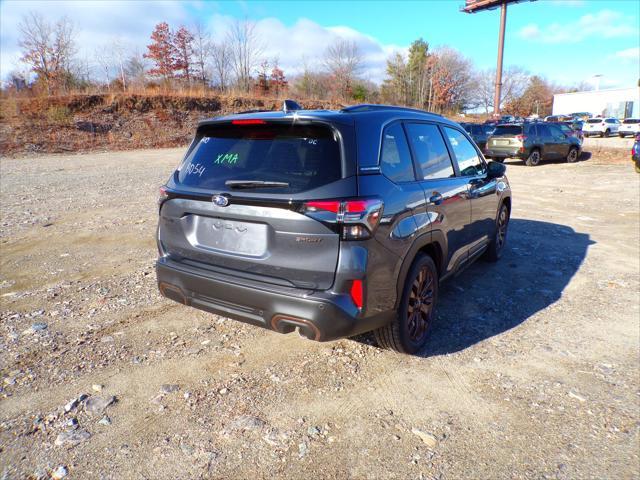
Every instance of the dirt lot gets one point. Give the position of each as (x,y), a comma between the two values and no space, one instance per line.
(532,370)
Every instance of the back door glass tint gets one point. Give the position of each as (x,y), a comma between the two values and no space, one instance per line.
(507,130)
(302,156)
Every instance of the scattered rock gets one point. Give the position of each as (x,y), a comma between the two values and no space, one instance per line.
(71,405)
(106,339)
(223,391)
(303,448)
(96,387)
(578,397)
(39,326)
(71,424)
(247,422)
(97,405)
(71,438)
(59,473)
(104,421)
(169,388)
(428,439)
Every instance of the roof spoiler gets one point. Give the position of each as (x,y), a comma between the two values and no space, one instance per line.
(290,106)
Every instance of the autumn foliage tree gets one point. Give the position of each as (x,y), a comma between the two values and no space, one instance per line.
(162,52)
(171,52)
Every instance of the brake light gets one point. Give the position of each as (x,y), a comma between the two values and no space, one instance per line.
(521,138)
(162,195)
(250,121)
(356,293)
(329,206)
(355,219)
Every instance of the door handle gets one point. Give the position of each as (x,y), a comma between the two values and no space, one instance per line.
(435,198)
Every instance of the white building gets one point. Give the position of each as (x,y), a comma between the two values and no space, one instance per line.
(615,102)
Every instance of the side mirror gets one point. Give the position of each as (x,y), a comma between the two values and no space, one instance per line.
(496,169)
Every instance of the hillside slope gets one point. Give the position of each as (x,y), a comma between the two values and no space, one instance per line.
(114,122)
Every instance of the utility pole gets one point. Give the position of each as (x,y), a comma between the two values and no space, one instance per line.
(498,93)
(473,6)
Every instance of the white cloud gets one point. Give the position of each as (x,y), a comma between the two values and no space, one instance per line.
(604,24)
(628,54)
(99,23)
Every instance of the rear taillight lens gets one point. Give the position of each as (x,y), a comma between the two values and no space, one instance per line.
(355,219)
(521,138)
(357,293)
(162,195)
(249,121)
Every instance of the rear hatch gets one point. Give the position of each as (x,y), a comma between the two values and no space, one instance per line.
(593,124)
(236,205)
(506,137)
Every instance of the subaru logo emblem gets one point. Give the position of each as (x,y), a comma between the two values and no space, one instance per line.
(220,201)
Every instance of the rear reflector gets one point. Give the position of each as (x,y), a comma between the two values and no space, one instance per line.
(251,121)
(356,293)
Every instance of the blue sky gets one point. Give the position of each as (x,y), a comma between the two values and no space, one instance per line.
(567,41)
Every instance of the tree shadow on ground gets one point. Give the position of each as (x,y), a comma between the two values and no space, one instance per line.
(488,299)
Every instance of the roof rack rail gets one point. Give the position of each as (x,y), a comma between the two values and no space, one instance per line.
(370,107)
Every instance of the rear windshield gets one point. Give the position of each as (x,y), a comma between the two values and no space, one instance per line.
(507,130)
(302,156)
(632,120)
(595,120)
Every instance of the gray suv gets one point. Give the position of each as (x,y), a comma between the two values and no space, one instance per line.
(331,223)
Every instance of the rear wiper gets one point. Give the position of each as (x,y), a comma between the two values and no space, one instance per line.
(255,184)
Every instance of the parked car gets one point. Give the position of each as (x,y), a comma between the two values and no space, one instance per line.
(331,223)
(479,133)
(635,153)
(629,126)
(573,129)
(532,142)
(507,119)
(600,126)
(581,115)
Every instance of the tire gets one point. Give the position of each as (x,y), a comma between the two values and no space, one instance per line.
(601,134)
(621,135)
(573,155)
(496,247)
(406,334)
(534,158)
(607,133)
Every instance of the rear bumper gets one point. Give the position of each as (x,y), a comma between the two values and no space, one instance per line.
(319,316)
(511,152)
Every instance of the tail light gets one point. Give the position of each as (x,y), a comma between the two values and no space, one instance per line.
(521,138)
(357,294)
(162,195)
(353,219)
(248,121)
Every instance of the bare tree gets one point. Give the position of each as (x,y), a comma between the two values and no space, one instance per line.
(47,48)
(201,52)
(246,49)
(514,82)
(343,61)
(221,60)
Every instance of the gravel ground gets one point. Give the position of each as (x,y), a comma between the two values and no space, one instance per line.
(532,370)
(624,143)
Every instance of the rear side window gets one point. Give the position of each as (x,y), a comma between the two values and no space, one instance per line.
(629,121)
(543,130)
(507,130)
(430,151)
(594,120)
(469,161)
(302,156)
(395,159)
